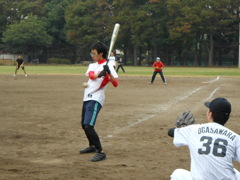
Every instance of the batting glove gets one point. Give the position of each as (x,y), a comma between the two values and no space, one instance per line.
(102,74)
(106,68)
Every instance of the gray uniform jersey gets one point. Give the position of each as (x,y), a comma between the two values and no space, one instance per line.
(213,148)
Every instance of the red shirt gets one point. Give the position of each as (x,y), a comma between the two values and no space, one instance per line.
(158,65)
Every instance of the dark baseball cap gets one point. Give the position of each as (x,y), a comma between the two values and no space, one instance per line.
(219,105)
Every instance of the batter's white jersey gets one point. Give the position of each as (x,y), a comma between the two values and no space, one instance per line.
(213,148)
(92,92)
(112,60)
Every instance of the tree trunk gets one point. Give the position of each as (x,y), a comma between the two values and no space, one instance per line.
(210,53)
(195,59)
(196,53)
(135,55)
(125,55)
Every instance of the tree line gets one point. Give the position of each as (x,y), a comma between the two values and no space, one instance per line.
(181,32)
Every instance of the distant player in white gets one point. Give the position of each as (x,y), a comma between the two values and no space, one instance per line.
(99,75)
(213,147)
(112,60)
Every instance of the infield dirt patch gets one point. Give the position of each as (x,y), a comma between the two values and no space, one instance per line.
(41,135)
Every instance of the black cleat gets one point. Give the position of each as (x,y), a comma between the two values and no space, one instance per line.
(88,150)
(98,157)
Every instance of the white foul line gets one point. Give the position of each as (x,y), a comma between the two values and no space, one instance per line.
(211,95)
(160,108)
(165,108)
(212,80)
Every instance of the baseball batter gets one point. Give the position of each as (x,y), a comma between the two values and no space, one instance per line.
(213,147)
(99,75)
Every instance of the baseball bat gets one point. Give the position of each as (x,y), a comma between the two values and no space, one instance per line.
(113,40)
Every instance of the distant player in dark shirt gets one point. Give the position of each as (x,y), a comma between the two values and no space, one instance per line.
(120,65)
(20,63)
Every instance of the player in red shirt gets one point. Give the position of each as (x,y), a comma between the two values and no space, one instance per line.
(158,66)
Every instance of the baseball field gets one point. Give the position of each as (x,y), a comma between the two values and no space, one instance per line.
(40,117)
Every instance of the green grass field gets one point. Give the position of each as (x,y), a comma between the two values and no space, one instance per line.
(130,70)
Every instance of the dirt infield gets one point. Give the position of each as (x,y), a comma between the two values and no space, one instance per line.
(41,135)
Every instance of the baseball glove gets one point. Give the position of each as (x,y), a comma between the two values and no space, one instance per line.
(185,119)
